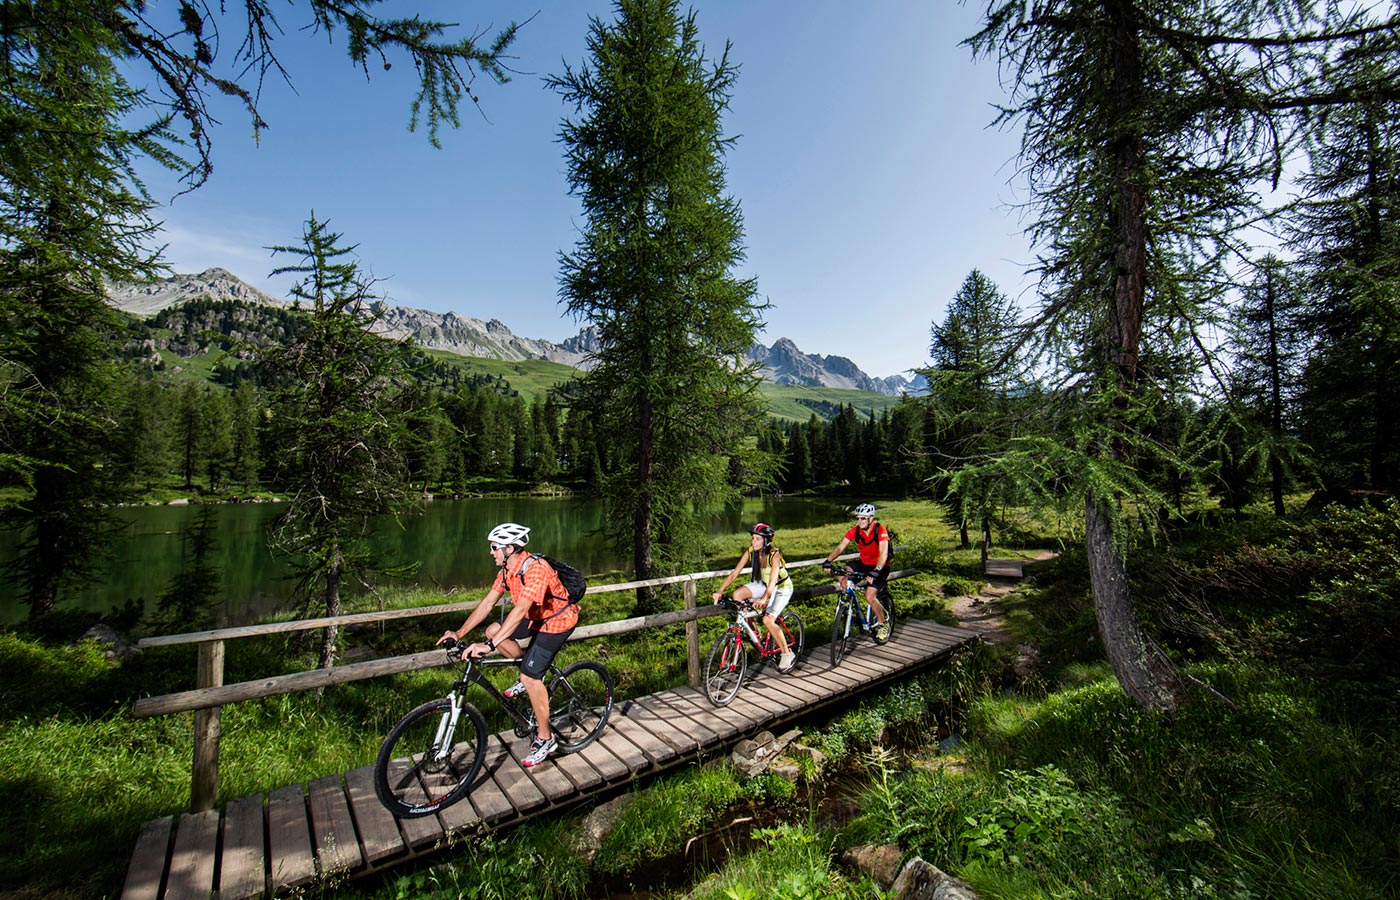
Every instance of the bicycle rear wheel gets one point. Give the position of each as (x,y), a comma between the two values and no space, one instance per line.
(841,631)
(580,701)
(887,601)
(420,770)
(725,667)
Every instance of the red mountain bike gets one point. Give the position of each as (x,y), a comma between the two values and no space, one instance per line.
(729,655)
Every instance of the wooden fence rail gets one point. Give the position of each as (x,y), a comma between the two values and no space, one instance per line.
(211,694)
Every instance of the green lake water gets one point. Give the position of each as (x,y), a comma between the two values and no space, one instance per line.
(448,542)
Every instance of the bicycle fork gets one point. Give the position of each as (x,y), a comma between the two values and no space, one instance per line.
(447,727)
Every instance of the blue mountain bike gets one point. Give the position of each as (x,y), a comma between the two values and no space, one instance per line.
(854,615)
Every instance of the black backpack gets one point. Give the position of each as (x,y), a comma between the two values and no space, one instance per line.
(572,579)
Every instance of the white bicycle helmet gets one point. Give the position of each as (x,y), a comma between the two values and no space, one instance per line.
(509,533)
(865,509)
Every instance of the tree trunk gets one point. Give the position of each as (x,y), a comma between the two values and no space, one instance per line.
(328,635)
(986,540)
(641,536)
(1143,670)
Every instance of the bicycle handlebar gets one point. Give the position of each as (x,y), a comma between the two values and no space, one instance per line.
(846,570)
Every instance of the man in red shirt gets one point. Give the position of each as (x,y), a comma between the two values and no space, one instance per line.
(874,543)
(540,610)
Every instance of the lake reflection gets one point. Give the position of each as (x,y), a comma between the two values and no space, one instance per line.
(448,542)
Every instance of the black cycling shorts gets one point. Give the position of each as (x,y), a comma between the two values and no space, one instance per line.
(544,645)
(881,576)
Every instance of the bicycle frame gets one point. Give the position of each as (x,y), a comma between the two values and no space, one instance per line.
(522,715)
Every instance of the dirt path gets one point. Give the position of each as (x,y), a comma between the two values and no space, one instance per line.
(982,612)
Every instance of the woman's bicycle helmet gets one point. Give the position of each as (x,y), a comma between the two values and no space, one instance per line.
(765,530)
(509,533)
(865,509)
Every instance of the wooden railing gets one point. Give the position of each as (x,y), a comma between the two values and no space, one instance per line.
(211,694)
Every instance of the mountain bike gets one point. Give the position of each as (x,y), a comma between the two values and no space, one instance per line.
(853,610)
(431,758)
(729,654)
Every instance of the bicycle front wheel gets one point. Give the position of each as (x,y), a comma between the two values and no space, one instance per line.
(425,764)
(796,632)
(580,701)
(725,667)
(886,600)
(841,632)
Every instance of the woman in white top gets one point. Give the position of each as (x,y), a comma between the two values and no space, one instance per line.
(770,590)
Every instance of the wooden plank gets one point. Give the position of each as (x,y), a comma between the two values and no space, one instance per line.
(577,769)
(696,732)
(654,748)
(333,828)
(633,760)
(192,859)
(730,724)
(552,783)
(513,782)
(662,725)
(376,826)
(147,868)
(417,831)
(489,802)
(1005,568)
(291,861)
(607,764)
(243,862)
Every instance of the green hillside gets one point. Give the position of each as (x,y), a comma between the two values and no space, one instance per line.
(527,376)
(796,403)
(789,403)
(192,350)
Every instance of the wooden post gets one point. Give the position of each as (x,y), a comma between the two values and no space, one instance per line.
(204,787)
(692,638)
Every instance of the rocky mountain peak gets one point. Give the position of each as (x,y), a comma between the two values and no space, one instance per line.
(783,362)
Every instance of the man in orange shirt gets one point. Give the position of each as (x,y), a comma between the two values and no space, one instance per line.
(540,610)
(873,540)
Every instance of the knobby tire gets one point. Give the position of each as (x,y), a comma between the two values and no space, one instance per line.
(580,701)
(841,631)
(412,777)
(725,668)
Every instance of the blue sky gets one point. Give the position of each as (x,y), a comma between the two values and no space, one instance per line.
(869,177)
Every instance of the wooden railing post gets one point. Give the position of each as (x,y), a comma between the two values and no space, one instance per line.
(692,638)
(204,787)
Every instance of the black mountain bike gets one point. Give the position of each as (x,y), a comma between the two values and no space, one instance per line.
(431,758)
(852,612)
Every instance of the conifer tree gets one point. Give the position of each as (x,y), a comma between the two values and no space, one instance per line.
(1146,127)
(339,420)
(653,274)
(1348,231)
(1270,349)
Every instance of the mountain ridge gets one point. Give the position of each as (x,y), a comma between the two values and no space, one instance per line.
(781,363)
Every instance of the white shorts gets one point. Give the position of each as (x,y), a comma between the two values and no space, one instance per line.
(780,597)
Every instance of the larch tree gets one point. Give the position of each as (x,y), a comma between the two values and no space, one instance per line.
(1270,349)
(1347,230)
(653,273)
(339,420)
(1147,127)
(976,383)
(74,215)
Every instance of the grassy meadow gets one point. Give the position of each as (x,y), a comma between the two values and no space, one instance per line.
(1042,780)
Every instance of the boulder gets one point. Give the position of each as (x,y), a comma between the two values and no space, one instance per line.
(919,880)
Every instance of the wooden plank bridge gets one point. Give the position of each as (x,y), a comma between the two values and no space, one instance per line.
(335,826)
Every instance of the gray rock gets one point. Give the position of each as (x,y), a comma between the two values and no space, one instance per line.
(880,863)
(919,880)
(114,644)
(598,823)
